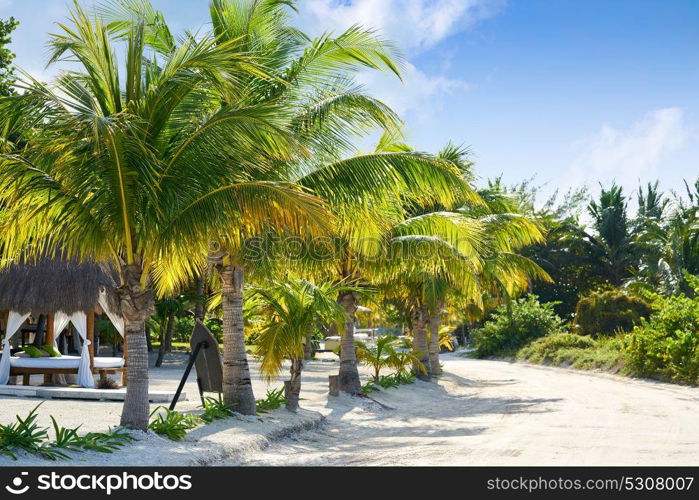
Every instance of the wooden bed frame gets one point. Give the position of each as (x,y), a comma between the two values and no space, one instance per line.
(48,373)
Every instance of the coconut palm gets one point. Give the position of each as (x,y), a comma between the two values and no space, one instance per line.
(138,169)
(325,111)
(292,310)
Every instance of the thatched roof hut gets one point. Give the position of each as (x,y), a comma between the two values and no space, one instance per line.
(51,285)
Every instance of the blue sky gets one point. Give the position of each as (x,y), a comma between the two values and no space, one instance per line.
(570,91)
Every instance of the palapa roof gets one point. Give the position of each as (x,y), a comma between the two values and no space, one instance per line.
(50,285)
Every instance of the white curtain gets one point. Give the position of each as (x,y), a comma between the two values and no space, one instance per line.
(116,320)
(60,321)
(85,378)
(14,322)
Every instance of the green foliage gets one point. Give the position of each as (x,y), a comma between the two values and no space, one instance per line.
(666,345)
(508,330)
(216,409)
(171,423)
(392,381)
(26,435)
(368,388)
(546,348)
(273,400)
(6,56)
(609,312)
(575,351)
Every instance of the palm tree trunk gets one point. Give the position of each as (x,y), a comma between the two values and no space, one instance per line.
(237,387)
(199,306)
(419,320)
(166,341)
(136,306)
(292,387)
(308,347)
(435,320)
(349,374)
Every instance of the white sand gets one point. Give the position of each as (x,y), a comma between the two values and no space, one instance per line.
(480,413)
(499,413)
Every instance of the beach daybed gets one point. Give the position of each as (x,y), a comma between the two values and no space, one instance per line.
(66,292)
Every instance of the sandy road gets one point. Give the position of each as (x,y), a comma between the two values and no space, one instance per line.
(499,413)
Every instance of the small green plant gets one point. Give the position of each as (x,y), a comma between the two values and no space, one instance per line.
(405,377)
(26,435)
(388,382)
(368,388)
(215,409)
(273,399)
(171,423)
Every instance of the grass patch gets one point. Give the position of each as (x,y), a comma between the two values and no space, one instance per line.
(575,351)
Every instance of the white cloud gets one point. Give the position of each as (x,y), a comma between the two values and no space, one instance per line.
(415,26)
(417,92)
(412,24)
(631,154)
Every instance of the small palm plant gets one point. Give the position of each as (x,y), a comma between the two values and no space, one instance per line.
(386,353)
(292,310)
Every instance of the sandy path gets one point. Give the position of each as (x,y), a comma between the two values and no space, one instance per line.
(499,413)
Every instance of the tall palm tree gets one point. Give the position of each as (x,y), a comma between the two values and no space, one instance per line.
(138,168)
(292,309)
(324,110)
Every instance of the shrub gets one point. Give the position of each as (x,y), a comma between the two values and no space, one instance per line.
(506,331)
(666,345)
(576,351)
(609,312)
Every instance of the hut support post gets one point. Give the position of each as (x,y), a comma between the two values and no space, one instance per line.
(48,340)
(91,338)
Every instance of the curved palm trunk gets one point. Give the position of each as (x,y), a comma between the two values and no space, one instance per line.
(435,367)
(349,374)
(419,318)
(166,340)
(292,387)
(237,387)
(136,306)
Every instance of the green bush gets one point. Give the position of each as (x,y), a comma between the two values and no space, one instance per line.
(506,331)
(609,312)
(666,346)
(575,351)
(546,349)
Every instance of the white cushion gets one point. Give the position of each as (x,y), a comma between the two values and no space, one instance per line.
(63,362)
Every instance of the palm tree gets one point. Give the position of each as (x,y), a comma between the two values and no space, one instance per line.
(139,169)
(614,236)
(385,353)
(292,309)
(324,110)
